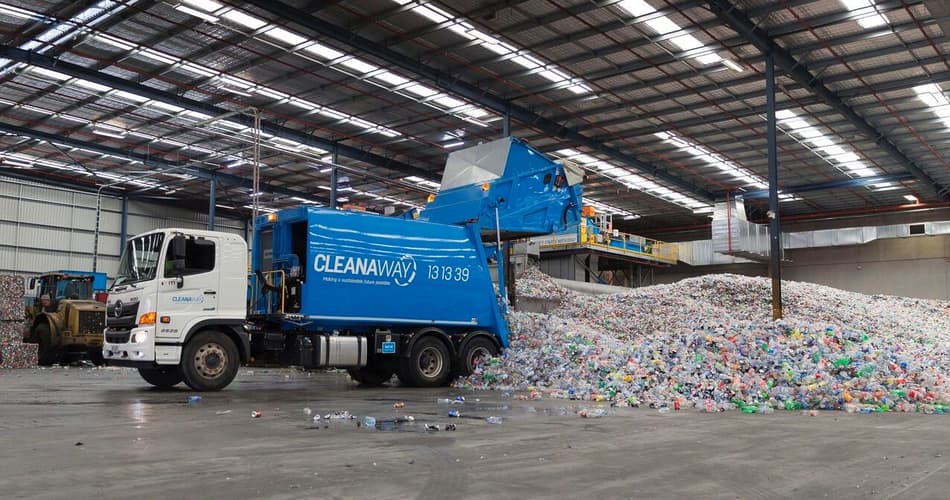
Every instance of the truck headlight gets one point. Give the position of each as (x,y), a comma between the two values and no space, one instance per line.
(139,337)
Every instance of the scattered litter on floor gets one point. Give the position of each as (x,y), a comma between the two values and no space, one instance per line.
(709,343)
(257,414)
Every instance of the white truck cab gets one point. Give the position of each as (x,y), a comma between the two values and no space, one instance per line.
(176,310)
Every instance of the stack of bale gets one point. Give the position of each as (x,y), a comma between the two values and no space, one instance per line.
(13,352)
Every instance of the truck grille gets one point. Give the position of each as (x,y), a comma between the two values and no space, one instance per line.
(124,318)
(91,322)
(118,337)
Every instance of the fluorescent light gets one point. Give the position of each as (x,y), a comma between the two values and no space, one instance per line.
(196,13)
(224,206)
(225,88)
(911,198)
(453,145)
(733,65)
(421,90)
(99,131)
(10,162)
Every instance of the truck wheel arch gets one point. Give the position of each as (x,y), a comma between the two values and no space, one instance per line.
(478,334)
(234,329)
(430,332)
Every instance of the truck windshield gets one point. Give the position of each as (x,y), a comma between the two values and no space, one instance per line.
(139,259)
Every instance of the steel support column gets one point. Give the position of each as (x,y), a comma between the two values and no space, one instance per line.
(335,158)
(211,203)
(124,224)
(775,232)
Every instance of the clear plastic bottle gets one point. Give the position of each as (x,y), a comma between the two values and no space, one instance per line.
(369,422)
(493,420)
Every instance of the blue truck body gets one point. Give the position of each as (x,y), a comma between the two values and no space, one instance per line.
(360,272)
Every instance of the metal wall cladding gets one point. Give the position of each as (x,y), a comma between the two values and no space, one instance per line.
(700,253)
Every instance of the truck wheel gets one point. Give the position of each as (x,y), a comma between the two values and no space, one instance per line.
(48,353)
(428,365)
(371,375)
(161,377)
(477,352)
(209,361)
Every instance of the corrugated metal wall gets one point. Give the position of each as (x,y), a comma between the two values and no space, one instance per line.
(44,228)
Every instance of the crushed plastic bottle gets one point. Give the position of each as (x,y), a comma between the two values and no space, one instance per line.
(194,400)
(369,422)
(593,413)
(494,420)
(257,414)
(454,413)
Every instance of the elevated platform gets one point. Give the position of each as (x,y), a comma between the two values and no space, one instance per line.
(613,244)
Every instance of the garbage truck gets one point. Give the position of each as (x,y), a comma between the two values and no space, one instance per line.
(409,295)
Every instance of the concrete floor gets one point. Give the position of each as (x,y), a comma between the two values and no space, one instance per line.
(142,443)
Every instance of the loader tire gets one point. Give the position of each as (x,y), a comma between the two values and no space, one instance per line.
(209,361)
(48,354)
(161,377)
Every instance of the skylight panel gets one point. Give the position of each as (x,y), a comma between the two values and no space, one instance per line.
(522,58)
(244,19)
(358,65)
(869,16)
(284,36)
(324,52)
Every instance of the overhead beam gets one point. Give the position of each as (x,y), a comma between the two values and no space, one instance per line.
(475,94)
(824,186)
(92,75)
(200,172)
(743,25)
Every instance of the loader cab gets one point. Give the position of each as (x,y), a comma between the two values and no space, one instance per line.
(61,287)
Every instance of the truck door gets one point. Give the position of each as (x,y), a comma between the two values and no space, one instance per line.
(188,289)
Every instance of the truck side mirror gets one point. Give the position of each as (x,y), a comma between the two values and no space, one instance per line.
(32,283)
(177,248)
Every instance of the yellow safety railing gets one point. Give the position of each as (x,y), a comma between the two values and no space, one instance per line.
(648,248)
(272,279)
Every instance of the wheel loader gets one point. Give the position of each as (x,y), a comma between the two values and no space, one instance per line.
(70,325)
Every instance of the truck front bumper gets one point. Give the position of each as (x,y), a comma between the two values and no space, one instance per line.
(141,350)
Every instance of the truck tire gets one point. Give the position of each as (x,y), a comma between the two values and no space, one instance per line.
(48,354)
(95,355)
(371,375)
(209,361)
(475,352)
(161,377)
(428,365)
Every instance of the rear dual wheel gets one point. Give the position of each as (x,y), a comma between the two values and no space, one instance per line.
(428,364)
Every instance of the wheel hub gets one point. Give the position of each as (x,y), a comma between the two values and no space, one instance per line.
(210,360)
(430,362)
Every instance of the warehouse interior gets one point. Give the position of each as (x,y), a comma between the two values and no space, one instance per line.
(729,150)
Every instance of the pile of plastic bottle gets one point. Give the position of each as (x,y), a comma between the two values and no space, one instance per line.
(709,343)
